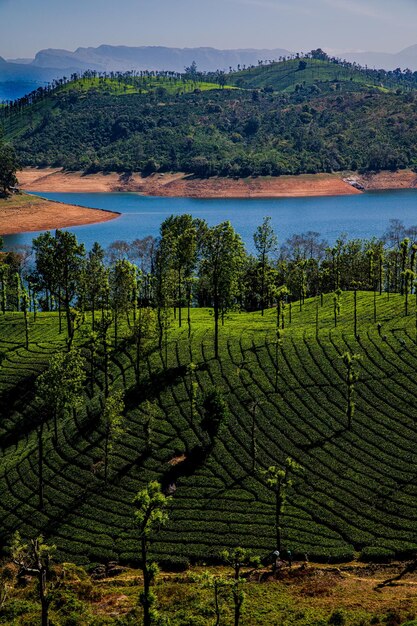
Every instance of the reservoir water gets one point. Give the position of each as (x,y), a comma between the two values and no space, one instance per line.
(359,216)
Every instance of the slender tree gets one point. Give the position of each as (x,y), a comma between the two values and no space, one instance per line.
(60,387)
(238,558)
(68,260)
(265,242)
(222,259)
(95,280)
(179,239)
(113,421)
(280,482)
(34,558)
(352,377)
(151,515)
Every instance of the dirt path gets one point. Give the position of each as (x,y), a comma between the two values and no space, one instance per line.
(23,213)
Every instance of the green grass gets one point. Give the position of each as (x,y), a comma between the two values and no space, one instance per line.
(285,75)
(83,87)
(358,488)
(147,84)
(312,598)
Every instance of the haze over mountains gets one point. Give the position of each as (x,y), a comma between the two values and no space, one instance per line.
(18,76)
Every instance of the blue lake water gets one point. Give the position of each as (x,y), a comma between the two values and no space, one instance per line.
(359,216)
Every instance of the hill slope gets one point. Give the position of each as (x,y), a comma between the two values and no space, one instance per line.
(171,123)
(357,489)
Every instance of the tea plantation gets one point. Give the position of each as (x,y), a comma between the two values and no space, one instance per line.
(355,496)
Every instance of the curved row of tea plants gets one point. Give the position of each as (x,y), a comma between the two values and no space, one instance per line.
(357,491)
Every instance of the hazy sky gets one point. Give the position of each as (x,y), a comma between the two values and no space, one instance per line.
(298,25)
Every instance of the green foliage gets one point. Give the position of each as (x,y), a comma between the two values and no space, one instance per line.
(60,387)
(355,488)
(321,118)
(8,167)
(377,554)
(113,423)
(151,510)
(215,412)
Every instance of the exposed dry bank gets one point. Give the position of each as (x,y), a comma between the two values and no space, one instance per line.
(22,213)
(182,185)
(174,185)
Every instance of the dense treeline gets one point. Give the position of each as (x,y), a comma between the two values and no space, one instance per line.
(225,133)
(317,126)
(192,264)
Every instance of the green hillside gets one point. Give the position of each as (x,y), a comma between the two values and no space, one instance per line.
(294,73)
(357,490)
(297,116)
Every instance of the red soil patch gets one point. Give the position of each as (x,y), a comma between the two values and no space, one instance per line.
(181,185)
(26,213)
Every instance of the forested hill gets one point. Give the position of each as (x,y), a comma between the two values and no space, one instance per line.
(299,116)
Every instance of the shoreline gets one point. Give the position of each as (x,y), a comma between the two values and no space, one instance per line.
(23,213)
(187,186)
(26,213)
(183,185)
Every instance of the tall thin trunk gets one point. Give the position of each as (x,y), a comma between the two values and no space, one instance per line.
(216,603)
(278,517)
(106,456)
(355,312)
(216,327)
(40,467)
(146,585)
(43,597)
(179,299)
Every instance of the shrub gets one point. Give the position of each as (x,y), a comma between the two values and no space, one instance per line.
(377,554)
(337,618)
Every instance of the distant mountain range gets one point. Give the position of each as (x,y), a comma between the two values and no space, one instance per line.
(407,58)
(17,76)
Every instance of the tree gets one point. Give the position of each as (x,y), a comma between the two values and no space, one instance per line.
(113,423)
(151,413)
(336,305)
(4,280)
(8,168)
(95,279)
(222,259)
(104,326)
(408,278)
(352,377)
(179,240)
(68,261)
(280,482)
(35,559)
(142,334)
(237,559)
(278,345)
(193,389)
(25,308)
(265,242)
(218,584)
(151,515)
(60,387)
(123,287)
(215,412)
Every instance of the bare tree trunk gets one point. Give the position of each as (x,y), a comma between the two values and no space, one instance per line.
(146,586)
(40,466)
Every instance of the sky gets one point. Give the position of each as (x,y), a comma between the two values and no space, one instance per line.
(27,26)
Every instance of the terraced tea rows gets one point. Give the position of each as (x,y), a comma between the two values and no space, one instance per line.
(357,491)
